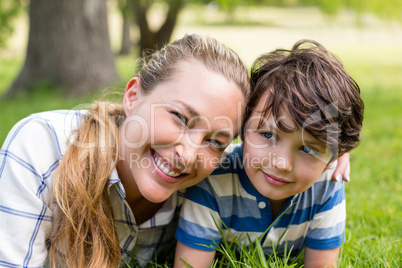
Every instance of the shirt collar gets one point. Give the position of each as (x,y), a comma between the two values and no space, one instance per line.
(163,216)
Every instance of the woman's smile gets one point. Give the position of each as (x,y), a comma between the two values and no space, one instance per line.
(162,165)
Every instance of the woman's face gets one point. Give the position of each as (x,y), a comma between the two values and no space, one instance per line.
(174,136)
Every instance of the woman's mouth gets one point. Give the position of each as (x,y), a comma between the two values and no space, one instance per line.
(164,167)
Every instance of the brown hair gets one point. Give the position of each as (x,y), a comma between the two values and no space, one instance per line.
(86,233)
(314,89)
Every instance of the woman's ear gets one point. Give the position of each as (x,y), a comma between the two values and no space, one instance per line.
(133,90)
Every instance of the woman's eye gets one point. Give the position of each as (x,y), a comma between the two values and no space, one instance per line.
(181,117)
(217,144)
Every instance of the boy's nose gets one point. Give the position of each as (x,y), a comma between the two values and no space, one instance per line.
(283,159)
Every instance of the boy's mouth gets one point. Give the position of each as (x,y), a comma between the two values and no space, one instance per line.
(277,181)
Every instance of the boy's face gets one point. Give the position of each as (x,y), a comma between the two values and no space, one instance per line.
(281,164)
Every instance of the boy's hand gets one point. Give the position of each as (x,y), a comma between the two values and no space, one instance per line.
(314,258)
(342,171)
(192,257)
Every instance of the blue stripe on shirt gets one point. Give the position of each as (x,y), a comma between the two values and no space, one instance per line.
(23,214)
(23,163)
(320,244)
(189,235)
(321,233)
(199,195)
(33,237)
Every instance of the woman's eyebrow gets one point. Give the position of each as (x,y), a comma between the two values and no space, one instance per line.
(189,109)
(196,115)
(224,134)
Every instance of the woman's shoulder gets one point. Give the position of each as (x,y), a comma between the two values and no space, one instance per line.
(42,131)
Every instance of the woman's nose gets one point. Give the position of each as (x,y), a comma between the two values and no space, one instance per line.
(188,149)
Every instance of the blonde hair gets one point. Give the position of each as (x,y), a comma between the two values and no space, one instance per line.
(85,232)
(160,66)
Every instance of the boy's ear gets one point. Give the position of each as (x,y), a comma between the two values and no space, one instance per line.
(133,90)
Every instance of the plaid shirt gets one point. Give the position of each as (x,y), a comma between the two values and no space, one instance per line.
(29,158)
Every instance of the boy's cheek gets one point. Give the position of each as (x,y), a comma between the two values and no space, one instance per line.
(253,140)
(257,158)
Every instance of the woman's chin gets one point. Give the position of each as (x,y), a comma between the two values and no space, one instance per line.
(157,196)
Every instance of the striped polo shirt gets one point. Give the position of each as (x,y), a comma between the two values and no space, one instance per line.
(314,218)
(29,158)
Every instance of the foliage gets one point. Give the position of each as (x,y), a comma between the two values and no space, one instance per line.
(390,9)
(9,9)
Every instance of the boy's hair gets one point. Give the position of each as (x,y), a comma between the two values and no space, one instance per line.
(311,85)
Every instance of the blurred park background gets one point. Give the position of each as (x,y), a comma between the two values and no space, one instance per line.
(60,54)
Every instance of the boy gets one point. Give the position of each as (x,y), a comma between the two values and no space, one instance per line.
(304,112)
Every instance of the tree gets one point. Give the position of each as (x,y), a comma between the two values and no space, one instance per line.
(155,39)
(68,46)
(125,36)
(8,10)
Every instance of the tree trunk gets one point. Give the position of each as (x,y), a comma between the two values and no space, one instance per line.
(68,46)
(125,37)
(149,40)
(125,10)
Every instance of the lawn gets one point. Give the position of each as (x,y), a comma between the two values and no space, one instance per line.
(372,55)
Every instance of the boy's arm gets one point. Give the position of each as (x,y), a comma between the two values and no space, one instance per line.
(192,256)
(326,230)
(314,258)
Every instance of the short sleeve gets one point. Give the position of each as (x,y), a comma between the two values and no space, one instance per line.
(198,215)
(328,224)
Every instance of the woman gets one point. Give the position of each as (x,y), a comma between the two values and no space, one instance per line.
(92,188)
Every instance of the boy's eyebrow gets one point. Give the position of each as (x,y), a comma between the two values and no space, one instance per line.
(267,122)
(306,138)
(313,141)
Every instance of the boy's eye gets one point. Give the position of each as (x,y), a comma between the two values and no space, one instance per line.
(269,135)
(309,150)
(181,117)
